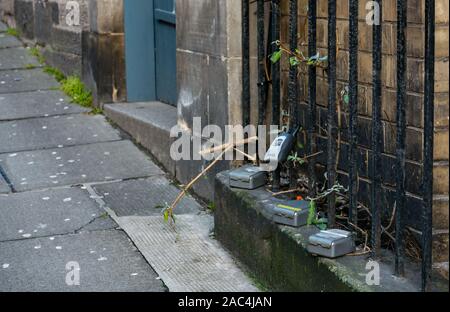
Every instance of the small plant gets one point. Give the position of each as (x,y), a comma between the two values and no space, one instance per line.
(13,32)
(295,159)
(96,111)
(211,206)
(30,66)
(74,88)
(34,51)
(321,223)
(59,76)
(297,57)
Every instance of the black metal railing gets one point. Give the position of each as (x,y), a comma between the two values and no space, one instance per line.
(264,79)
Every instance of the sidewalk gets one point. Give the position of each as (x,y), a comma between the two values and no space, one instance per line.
(73,190)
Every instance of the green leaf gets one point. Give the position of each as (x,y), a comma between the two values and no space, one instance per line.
(312,213)
(166,215)
(276,56)
(294,61)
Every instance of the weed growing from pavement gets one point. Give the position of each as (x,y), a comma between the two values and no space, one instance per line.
(74,88)
(30,66)
(59,76)
(13,32)
(34,51)
(71,85)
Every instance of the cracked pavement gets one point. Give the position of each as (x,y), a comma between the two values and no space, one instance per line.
(77,198)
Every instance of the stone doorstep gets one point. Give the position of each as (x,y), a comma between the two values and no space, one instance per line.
(277,257)
(149,123)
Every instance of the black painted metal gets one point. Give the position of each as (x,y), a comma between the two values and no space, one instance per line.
(276,82)
(377,129)
(401,133)
(246,62)
(312,90)
(293,81)
(332,120)
(262,97)
(353,109)
(427,231)
(293,77)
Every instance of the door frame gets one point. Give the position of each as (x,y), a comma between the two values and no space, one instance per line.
(140,50)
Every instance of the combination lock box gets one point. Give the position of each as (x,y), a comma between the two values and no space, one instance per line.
(292,213)
(331,243)
(248,177)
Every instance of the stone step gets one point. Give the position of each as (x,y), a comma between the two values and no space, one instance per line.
(149,124)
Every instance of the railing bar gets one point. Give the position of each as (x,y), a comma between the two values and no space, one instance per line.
(332,127)
(293,78)
(401,133)
(353,107)
(312,92)
(246,62)
(293,81)
(276,81)
(261,63)
(427,231)
(376,135)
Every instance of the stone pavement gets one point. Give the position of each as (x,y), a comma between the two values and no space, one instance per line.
(76,197)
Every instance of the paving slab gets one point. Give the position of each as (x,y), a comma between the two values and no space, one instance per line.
(17,58)
(108,262)
(45,213)
(99,162)
(145,197)
(50,132)
(36,104)
(20,80)
(188,260)
(4,188)
(7,41)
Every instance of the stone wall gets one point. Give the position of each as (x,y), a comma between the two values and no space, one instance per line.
(208,74)
(93,48)
(44,23)
(415,86)
(104,51)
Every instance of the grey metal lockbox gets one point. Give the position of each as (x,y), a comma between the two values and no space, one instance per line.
(292,213)
(248,177)
(331,243)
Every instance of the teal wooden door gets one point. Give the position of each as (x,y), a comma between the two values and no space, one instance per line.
(150,50)
(165,51)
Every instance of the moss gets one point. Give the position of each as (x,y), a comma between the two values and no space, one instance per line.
(59,76)
(74,88)
(30,66)
(13,32)
(96,111)
(34,51)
